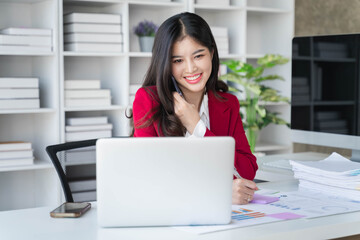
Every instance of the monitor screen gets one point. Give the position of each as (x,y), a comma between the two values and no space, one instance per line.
(325,90)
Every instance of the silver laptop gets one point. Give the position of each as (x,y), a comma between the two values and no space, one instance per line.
(164,181)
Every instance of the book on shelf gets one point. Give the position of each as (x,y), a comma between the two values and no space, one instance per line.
(93,47)
(338,123)
(82,84)
(87,196)
(25,40)
(16,162)
(27,49)
(300,81)
(19,103)
(14,145)
(12,82)
(98,93)
(82,128)
(79,185)
(88,102)
(327,115)
(318,83)
(301,90)
(92,18)
(92,28)
(76,121)
(26,31)
(26,153)
(300,98)
(80,156)
(78,136)
(223,44)
(93,38)
(10,93)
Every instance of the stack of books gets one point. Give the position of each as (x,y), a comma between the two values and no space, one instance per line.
(37,40)
(331,50)
(335,175)
(300,89)
(331,122)
(221,38)
(19,93)
(93,32)
(16,153)
(132,91)
(84,128)
(86,93)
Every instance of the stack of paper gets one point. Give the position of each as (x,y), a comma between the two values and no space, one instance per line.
(133,89)
(37,40)
(16,153)
(19,93)
(93,32)
(84,128)
(334,175)
(221,38)
(86,93)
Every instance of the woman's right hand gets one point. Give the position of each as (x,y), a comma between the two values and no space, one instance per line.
(186,112)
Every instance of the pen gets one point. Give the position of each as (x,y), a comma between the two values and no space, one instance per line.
(236,174)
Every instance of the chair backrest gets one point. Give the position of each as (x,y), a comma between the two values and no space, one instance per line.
(52,152)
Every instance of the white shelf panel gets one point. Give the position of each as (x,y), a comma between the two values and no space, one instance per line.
(154,4)
(37,165)
(231,56)
(82,109)
(265,146)
(266,10)
(140,54)
(94,54)
(2,53)
(93,3)
(30,111)
(217,7)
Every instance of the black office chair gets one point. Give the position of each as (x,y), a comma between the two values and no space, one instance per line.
(52,152)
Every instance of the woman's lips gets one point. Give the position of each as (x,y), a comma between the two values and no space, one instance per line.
(194,78)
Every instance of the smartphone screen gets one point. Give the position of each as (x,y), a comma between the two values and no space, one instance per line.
(70,209)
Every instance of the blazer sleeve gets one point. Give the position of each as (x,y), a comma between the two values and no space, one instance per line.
(245,161)
(142,112)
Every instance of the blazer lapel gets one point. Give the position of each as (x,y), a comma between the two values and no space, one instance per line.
(219,113)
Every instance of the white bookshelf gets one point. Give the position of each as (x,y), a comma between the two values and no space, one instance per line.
(256,27)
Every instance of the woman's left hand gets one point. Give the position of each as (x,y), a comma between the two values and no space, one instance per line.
(243,191)
(186,112)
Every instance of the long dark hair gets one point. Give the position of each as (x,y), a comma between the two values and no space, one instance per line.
(159,73)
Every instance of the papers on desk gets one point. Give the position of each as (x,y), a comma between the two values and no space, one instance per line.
(292,205)
(335,175)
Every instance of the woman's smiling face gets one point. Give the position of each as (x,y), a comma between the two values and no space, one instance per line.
(191,65)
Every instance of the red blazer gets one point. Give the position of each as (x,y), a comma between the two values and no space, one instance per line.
(225,120)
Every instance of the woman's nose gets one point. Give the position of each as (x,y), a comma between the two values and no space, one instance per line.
(191,67)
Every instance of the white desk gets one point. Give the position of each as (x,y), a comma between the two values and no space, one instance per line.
(37,224)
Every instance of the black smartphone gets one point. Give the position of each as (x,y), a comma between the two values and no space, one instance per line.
(70,210)
(176,86)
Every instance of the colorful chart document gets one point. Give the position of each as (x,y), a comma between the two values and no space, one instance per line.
(291,205)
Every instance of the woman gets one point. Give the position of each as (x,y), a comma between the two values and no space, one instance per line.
(185,50)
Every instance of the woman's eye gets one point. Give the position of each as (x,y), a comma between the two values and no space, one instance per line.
(177,61)
(199,56)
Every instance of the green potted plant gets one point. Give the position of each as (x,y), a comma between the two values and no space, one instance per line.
(256,94)
(146,30)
